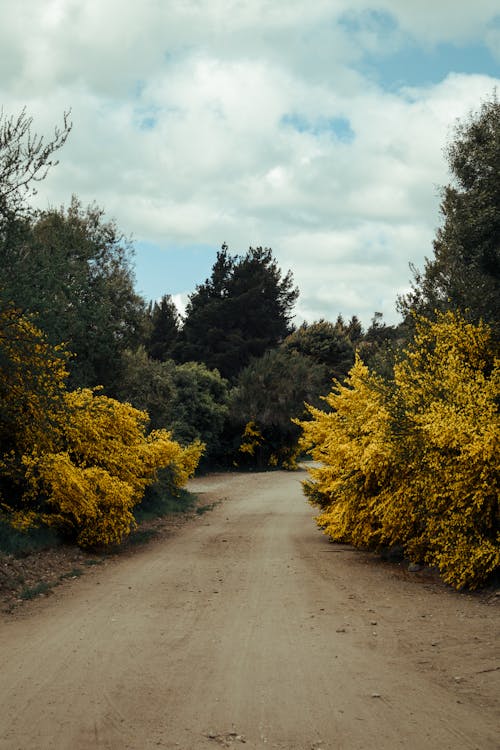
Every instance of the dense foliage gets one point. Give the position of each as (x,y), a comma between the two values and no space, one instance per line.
(72,269)
(32,376)
(269,392)
(465,270)
(77,460)
(416,463)
(328,345)
(188,398)
(241,311)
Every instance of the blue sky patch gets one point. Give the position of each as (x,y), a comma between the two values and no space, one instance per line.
(340,127)
(171,269)
(418,66)
(148,123)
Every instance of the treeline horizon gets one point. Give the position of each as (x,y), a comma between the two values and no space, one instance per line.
(70,270)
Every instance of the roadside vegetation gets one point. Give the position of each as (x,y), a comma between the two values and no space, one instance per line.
(410,453)
(110,402)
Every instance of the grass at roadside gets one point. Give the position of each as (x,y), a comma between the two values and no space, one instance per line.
(34,562)
(201,509)
(157,504)
(23,543)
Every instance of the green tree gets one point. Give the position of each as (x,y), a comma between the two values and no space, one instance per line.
(165,325)
(72,269)
(326,344)
(188,399)
(148,385)
(465,270)
(199,407)
(269,393)
(241,311)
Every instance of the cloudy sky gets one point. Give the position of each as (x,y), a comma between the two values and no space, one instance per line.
(315,127)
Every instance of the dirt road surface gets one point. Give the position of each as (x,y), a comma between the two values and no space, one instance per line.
(247,628)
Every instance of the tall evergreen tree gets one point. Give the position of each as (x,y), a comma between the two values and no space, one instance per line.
(165,324)
(465,271)
(241,311)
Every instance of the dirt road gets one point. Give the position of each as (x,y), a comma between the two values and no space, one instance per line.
(248,628)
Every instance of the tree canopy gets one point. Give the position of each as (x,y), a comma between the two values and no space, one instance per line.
(465,271)
(241,311)
(72,269)
(165,325)
(326,343)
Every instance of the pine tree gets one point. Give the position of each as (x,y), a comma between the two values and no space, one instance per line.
(241,311)
(465,271)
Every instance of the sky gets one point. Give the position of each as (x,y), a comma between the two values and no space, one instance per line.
(314,127)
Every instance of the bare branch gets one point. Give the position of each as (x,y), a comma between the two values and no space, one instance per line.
(25,158)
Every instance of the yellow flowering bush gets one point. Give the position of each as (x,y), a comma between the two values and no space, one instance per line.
(350,442)
(449,385)
(416,464)
(88,503)
(32,384)
(251,439)
(91,486)
(76,460)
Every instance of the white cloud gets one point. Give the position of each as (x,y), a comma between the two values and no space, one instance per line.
(493,40)
(430,21)
(184,128)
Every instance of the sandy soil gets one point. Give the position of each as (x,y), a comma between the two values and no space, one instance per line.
(247,627)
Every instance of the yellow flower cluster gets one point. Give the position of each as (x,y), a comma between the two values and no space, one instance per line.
(32,382)
(254,442)
(251,439)
(416,463)
(77,460)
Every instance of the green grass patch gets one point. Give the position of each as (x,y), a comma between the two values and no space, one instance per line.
(141,536)
(201,509)
(158,502)
(24,543)
(31,592)
(75,573)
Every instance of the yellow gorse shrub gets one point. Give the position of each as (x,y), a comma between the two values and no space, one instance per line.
(32,383)
(251,438)
(103,432)
(76,460)
(89,503)
(416,464)
(449,384)
(350,442)
(108,460)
